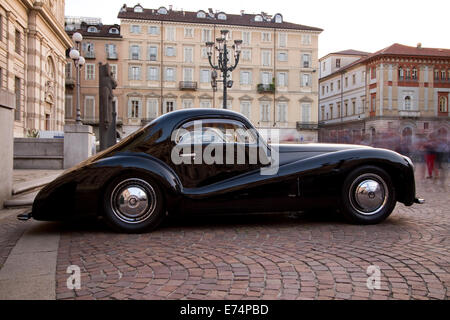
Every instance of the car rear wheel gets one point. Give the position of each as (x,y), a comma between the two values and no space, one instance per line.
(133,204)
(368,195)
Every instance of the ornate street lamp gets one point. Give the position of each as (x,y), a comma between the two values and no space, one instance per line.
(78,61)
(222,62)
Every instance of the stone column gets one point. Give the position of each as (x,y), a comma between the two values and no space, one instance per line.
(7,103)
(78,144)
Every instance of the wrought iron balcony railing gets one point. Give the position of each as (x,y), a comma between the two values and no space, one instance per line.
(307,125)
(266,88)
(188,85)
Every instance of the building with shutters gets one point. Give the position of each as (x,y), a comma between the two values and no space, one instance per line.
(399,90)
(163,66)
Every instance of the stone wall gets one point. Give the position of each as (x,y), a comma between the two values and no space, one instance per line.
(33,153)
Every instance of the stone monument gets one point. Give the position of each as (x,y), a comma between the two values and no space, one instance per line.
(107,120)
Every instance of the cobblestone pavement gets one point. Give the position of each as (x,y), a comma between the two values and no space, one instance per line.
(317,256)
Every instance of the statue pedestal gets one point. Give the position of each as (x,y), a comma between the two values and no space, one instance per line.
(79,143)
(7,106)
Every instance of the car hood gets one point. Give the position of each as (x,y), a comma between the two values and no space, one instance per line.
(293,152)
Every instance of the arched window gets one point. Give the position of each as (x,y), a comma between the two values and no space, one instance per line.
(114,31)
(400,73)
(138,9)
(278,18)
(222,16)
(162,10)
(201,14)
(407,104)
(443,106)
(92,29)
(50,68)
(414,73)
(258,18)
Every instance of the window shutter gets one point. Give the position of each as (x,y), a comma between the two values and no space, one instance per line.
(129,108)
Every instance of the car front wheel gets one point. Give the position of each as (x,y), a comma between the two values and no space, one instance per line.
(368,195)
(133,204)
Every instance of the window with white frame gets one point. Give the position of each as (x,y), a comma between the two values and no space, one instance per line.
(229,104)
(69,106)
(153,30)
(264,111)
(266,77)
(135,73)
(152,108)
(113,69)
(170,33)
(188,54)
(134,108)
(188,74)
(306,39)
(266,57)
(89,108)
(282,79)
(152,53)
(407,103)
(306,80)
(205,76)
(265,36)
(246,38)
(245,108)
(152,73)
(306,112)
(246,55)
(282,112)
(111,51)
(135,52)
(170,51)
(88,49)
(188,32)
(282,56)
(170,74)
(90,71)
(306,60)
(246,77)
(204,52)
(205,103)
(135,28)
(206,35)
(188,103)
(282,40)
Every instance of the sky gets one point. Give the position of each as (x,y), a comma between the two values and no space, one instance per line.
(348,24)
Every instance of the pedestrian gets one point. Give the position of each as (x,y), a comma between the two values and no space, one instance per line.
(430,154)
(442,152)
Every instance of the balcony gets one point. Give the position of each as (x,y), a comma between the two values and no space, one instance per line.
(70,82)
(90,121)
(409,114)
(266,88)
(188,85)
(112,56)
(307,126)
(89,54)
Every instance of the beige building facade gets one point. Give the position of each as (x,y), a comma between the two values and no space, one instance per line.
(162,66)
(399,90)
(32,60)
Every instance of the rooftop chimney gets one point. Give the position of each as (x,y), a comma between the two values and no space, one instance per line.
(242,12)
(170,7)
(419,45)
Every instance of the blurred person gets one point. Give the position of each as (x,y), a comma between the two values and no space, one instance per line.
(430,154)
(442,153)
(419,154)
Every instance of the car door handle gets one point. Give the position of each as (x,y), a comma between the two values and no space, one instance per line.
(186,155)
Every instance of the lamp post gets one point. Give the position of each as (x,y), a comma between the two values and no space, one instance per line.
(78,61)
(222,63)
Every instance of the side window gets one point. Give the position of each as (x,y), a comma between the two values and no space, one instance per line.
(214,131)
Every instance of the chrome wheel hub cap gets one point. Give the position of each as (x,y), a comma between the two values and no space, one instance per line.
(133,200)
(368,194)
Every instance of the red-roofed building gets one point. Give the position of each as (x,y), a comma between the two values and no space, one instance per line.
(399,90)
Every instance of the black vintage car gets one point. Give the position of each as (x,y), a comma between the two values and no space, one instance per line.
(158,170)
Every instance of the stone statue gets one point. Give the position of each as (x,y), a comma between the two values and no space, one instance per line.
(107,121)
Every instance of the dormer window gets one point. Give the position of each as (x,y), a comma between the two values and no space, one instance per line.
(92,29)
(222,16)
(278,18)
(258,18)
(138,8)
(201,14)
(114,31)
(162,10)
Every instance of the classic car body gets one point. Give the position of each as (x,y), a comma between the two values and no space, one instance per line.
(138,177)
